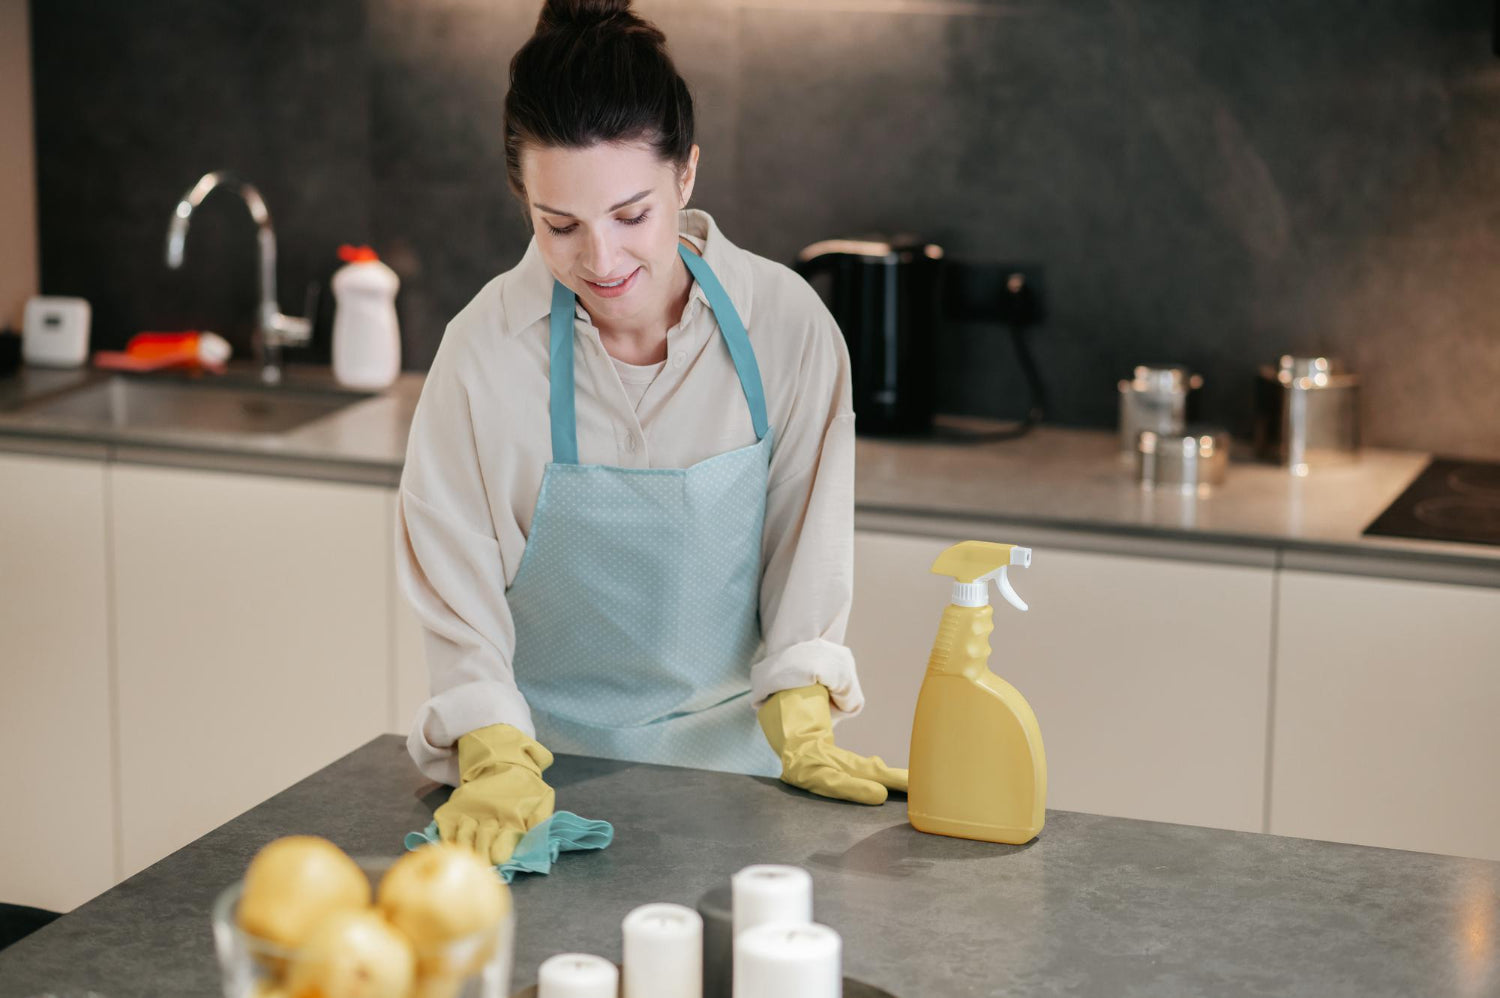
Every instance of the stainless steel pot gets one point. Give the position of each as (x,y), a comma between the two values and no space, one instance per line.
(1190,463)
(1307,413)
(1155,399)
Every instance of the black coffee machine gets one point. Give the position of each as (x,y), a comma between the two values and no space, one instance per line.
(886,296)
(892,299)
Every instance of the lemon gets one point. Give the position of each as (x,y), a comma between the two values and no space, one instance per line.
(449,902)
(353,954)
(294,883)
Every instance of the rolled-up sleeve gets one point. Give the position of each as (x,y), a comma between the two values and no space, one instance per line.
(450,569)
(807,585)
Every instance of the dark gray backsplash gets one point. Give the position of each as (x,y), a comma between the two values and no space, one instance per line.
(1204,182)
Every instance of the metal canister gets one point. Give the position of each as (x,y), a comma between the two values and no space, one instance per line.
(1190,463)
(1307,413)
(1155,399)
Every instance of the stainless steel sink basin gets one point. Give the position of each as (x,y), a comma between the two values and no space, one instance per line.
(127,403)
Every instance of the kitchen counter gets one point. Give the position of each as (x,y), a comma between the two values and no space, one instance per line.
(1095,906)
(1055,487)
(363,443)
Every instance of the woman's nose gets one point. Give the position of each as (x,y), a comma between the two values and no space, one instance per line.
(599,256)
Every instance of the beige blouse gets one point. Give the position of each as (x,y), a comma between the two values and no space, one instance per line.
(481,440)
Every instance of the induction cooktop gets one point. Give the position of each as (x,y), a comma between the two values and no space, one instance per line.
(1450,500)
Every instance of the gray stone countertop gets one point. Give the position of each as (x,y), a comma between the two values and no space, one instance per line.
(1095,906)
(364,442)
(1053,487)
(1056,481)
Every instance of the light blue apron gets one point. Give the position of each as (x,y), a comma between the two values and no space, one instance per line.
(636,604)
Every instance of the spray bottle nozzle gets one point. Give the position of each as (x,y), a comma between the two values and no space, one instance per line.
(972,564)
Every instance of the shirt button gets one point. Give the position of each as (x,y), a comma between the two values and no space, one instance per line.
(631,443)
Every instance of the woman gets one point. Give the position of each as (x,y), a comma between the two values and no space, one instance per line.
(626,517)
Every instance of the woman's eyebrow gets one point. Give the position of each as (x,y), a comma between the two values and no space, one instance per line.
(615,207)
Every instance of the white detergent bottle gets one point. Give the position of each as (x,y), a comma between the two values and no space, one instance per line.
(366,338)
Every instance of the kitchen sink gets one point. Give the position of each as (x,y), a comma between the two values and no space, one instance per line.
(126,403)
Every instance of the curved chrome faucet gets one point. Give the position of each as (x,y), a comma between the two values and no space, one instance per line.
(273,330)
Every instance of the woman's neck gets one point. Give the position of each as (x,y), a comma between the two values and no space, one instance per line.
(645,342)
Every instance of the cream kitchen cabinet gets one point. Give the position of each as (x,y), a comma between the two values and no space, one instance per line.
(1149,676)
(1387,708)
(253,633)
(57,820)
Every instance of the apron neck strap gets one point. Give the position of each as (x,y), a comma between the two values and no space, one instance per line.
(560,348)
(735,337)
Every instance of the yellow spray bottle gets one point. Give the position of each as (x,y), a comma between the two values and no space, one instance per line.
(977,766)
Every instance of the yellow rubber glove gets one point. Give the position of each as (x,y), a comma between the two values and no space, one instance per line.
(800,730)
(502,794)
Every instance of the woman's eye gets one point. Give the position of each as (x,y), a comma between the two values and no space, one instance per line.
(563,231)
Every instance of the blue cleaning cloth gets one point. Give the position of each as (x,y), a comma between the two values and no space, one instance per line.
(540,847)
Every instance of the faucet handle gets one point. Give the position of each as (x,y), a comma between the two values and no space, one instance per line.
(290,330)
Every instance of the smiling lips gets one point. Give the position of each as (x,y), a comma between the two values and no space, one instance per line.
(615,288)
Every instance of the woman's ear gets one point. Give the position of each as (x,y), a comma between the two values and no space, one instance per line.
(687,178)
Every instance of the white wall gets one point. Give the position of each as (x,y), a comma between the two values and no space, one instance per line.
(18,243)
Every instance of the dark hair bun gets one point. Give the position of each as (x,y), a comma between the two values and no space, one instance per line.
(580,13)
(595,71)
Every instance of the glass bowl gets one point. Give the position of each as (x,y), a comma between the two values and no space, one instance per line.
(253,967)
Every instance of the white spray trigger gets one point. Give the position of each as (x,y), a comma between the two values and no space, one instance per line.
(1002,583)
(977,593)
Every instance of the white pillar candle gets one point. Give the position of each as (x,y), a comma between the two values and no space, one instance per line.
(577,975)
(767,893)
(780,960)
(663,952)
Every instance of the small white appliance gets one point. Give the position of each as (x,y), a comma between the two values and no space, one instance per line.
(55,332)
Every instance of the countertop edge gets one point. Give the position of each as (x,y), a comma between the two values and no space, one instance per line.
(1416,561)
(201,457)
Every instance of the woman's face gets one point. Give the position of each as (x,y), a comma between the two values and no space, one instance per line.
(606,224)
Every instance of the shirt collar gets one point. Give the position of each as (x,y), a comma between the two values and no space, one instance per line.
(527,297)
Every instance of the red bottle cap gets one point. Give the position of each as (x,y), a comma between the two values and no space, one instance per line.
(356,254)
